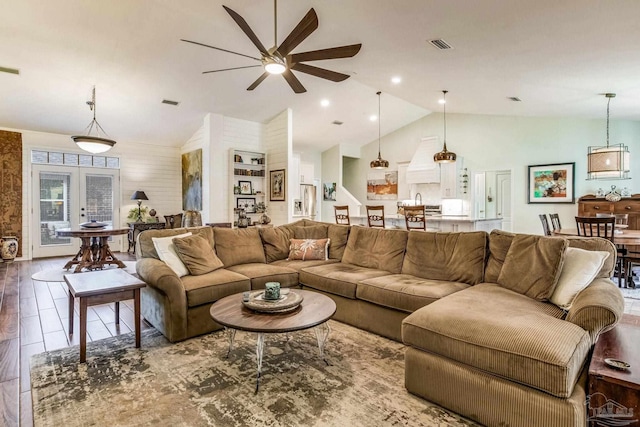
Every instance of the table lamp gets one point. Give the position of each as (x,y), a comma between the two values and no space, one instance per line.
(139,196)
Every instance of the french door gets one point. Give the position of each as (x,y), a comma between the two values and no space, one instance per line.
(65,197)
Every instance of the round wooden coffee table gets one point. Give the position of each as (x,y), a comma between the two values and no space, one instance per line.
(314,311)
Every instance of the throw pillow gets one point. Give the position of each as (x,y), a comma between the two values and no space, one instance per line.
(197,254)
(532,265)
(309,249)
(579,269)
(167,252)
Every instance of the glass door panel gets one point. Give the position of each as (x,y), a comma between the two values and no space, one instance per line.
(55,202)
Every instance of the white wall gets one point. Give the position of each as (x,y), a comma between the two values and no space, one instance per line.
(156,171)
(279,148)
(512,143)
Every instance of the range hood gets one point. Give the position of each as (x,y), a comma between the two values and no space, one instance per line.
(422,169)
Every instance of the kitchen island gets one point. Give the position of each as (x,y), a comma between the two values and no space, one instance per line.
(445,223)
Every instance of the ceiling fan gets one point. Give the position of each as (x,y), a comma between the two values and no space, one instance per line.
(280,60)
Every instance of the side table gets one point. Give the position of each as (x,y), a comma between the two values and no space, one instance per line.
(102,287)
(136,227)
(615,394)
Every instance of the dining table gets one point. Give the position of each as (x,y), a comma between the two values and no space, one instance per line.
(621,236)
(94,251)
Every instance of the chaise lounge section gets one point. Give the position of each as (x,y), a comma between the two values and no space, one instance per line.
(473,308)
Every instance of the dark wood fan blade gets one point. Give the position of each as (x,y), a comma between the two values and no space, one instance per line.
(247,30)
(293,82)
(229,69)
(219,48)
(305,27)
(257,82)
(320,72)
(331,53)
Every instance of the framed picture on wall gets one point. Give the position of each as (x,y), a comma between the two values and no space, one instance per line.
(552,183)
(277,185)
(245,187)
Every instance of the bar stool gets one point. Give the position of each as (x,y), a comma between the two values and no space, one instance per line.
(375,216)
(342,214)
(415,218)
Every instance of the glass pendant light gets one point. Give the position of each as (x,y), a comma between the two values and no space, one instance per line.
(379,163)
(444,156)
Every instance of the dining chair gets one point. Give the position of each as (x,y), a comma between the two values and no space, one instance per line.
(601,226)
(173,221)
(555,221)
(545,224)
(415,218)
(375,216)
(342,215)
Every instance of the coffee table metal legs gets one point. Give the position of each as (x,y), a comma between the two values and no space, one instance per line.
(322,334)
(231,334)
(259,353)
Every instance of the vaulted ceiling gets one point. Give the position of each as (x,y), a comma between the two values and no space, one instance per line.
(558,57)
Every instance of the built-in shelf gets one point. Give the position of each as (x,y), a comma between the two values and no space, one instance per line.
(250,167)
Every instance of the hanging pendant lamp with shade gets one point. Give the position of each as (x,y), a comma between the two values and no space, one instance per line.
(94,144)
(611,161)
(444,156)
(379,163)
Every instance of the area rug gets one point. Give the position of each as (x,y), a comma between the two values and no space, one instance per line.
(57,274)
(191,383)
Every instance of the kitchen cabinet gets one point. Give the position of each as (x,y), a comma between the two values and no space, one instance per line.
(450,180)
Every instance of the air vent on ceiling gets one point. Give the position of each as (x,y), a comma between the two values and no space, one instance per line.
(515,99)
(337,122)
(9,70)
(440,44)
(166,101)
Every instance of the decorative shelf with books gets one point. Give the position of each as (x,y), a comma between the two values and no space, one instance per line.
(249,182)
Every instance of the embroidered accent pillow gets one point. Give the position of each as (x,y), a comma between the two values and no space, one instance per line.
(309,249)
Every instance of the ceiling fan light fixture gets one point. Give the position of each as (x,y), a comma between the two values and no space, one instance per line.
(379,163)
(274,65)
(90,143)
(611,161)
(444,156)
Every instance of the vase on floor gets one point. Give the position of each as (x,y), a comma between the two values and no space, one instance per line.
(8,248)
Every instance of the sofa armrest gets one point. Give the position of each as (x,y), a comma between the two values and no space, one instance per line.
(166,282)
(598,308)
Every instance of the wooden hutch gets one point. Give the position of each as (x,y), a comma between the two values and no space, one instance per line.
(590,205)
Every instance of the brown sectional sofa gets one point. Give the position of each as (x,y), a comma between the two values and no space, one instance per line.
(482,339)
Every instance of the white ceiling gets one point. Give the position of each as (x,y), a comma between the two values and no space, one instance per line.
(557,56)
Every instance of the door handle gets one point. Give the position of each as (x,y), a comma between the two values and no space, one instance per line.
(82,215)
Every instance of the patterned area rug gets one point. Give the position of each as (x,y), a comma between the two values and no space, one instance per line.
(192,383)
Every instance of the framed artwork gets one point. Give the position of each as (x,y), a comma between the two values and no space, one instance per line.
(277,185)
(246,203)
(245,187)
(297,207)
(329,191)
(192,180)
(552,183)
(382,185)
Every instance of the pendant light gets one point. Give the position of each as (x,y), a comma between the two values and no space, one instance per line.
(93,144)
(379,163)
(610,161)
(444,156)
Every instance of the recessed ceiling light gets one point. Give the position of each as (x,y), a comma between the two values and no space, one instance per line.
(373,117)
(396,80)
(325,103)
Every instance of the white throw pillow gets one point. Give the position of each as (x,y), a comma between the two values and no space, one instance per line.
(579,269)
(168,253)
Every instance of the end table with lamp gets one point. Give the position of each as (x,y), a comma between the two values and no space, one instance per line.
(139,225)
(139,196)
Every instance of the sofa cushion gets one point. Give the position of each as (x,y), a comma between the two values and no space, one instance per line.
(405,292)
(376,248)
(338,235)
(262,273)
(209,288)
(499,244)
(504,333)
(197,254)
(309,249)
(238,245)
(145,248)
(275,241)
(597,244)
(311,232)
(533,265)
(455,257)
(166,250)
(298,265)
(337,278)
(578,271)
